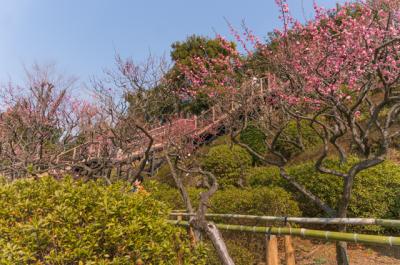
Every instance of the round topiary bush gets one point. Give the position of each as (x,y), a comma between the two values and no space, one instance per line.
(228,163)
(68,222)
(255,201)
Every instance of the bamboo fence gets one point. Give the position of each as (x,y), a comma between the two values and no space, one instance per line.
(303,220)
(308,233)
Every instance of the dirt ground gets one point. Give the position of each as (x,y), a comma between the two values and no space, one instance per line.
(319,253)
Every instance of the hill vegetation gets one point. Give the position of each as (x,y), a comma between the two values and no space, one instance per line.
(302,124)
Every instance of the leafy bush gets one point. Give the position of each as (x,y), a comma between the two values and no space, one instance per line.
(264,176)
(163,175)
(291,132)
(257,201)
(255,139)
(171,196)
(67,222)
(227,163)
(374,193)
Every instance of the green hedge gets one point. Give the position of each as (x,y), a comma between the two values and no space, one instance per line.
(67,222)
(264,176)
(257,201)
(374,193)
(169,195)
(228,163)
(376,190)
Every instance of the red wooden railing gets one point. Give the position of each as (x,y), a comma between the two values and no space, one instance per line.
(172,131)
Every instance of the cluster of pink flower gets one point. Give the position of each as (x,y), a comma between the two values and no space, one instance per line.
(336,53)
(333,55)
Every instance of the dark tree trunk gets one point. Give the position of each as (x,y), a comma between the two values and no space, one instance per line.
(341,247)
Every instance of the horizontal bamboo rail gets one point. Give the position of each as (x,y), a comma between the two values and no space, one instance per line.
(305,220)
(308,233)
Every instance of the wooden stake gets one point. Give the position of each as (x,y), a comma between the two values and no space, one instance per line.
(192,237)
(271,250)
(289,251)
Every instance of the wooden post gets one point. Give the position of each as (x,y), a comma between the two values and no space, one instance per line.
(289,251)
(192,237)
(195,122)
(119,171)
(179,217)
(213,114)
(74,154)
(271,250)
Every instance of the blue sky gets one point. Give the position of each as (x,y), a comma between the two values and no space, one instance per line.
(81,36)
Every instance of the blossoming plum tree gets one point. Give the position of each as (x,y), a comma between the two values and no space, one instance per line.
(340,72)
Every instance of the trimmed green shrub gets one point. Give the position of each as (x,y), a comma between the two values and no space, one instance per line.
(255,201)
(255,139)
(308,135)
(264,176)
(374,193)
(69,222)
(227,163)
(258,201)
(171,196)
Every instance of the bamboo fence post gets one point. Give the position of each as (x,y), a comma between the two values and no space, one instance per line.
(289,251)
(308,220)
(271,250)
(309,233)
